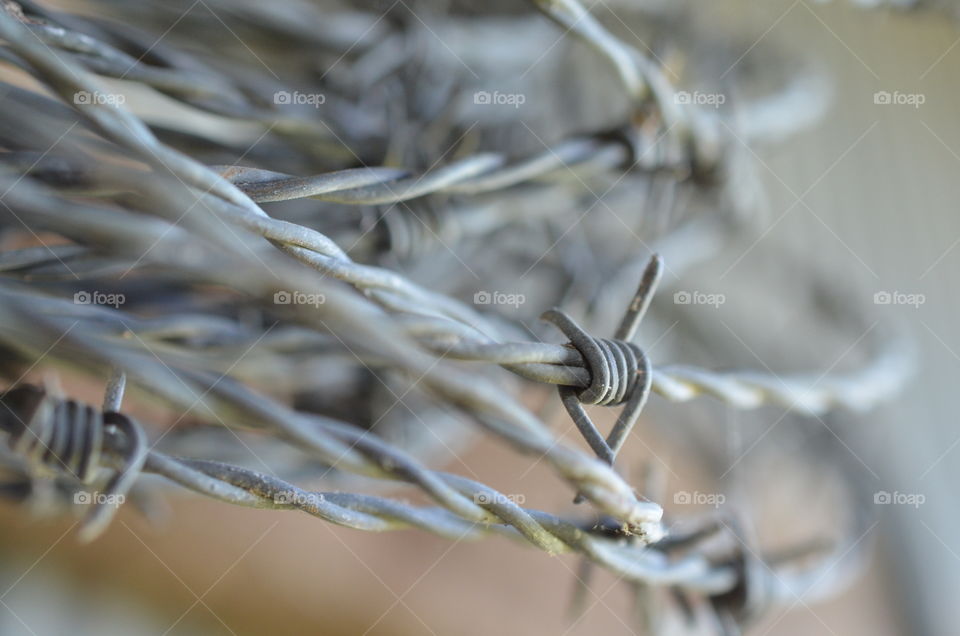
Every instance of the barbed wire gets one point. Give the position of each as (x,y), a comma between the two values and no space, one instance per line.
(132,204)
(123,445)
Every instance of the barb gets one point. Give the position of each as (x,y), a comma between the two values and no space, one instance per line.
(619,370)
(67,437)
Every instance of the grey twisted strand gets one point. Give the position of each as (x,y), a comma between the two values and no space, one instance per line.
(473,175)
(126,448)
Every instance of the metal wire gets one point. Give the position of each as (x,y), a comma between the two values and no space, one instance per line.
(129,202)
(68,437)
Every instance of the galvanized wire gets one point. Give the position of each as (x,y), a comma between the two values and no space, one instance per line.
(132,204)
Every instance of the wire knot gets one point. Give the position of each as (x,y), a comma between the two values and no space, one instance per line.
(615,367)
(619,370)
(65,437)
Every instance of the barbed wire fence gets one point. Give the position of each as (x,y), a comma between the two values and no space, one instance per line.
(306,231)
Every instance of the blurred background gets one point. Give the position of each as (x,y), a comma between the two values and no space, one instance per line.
(866,196)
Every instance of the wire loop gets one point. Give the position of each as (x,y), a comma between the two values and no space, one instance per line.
(67,438)
(620,371)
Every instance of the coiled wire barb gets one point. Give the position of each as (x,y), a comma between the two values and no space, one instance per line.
(66,438)
(619,369)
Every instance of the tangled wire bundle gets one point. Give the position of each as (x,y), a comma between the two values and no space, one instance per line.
(286,236)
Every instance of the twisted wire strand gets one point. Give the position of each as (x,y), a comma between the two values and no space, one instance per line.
(541,362)
(570,159)
(194,84)
(678,383)
(480,173)
(128,452)
(560,365)
(556,364)
(634,145)
(382,455)
(334,442)
(748,389)
(653,565)
(458,332)
(240,486)
(643,81)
